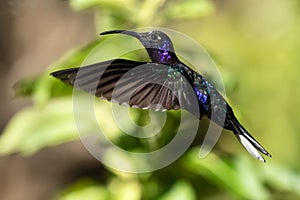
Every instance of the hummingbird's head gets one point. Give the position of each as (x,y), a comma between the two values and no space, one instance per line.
(158,45)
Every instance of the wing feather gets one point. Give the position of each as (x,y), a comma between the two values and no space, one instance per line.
(137,84)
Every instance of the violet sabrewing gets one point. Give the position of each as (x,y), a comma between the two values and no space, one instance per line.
(166,89)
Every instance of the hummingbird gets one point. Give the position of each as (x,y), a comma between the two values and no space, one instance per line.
(164,83)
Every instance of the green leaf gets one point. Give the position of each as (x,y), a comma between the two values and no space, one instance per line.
(238,178)
(189,9)
(85,189)
(80,5)
(125,188)
(32,129)
(282,178)
(180,190)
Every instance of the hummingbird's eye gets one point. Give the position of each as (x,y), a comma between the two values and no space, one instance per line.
(154,37)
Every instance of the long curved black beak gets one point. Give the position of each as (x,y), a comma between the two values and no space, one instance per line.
(125,32)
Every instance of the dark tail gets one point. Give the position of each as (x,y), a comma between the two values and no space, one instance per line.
(249,143)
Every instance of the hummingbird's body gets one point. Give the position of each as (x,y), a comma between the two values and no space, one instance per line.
(164,83)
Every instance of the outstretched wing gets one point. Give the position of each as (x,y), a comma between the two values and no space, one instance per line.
(137,84)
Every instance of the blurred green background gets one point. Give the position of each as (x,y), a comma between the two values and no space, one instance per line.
(255,45)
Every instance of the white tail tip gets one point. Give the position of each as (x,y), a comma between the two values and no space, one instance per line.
(249,147)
